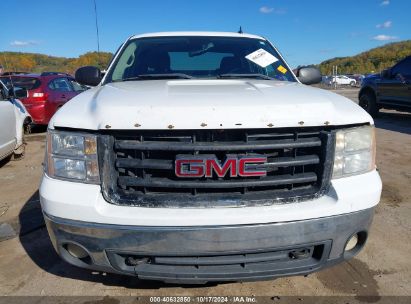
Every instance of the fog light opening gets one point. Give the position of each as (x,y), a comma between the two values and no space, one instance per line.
(352,242)
(76,251)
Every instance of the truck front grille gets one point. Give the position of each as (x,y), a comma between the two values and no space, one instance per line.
(137,168)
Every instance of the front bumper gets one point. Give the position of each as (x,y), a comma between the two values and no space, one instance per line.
(39,113)
(199,254)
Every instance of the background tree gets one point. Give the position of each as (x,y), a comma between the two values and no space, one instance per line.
(37,63)
(372,61)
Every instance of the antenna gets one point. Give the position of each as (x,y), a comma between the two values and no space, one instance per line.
(98,38)
(240,31)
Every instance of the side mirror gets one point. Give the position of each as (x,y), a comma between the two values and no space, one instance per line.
(17,92)
(88,75)
(309,75)
(401,78)
(386,73)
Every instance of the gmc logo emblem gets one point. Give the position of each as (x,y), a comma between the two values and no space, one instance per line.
(209,166)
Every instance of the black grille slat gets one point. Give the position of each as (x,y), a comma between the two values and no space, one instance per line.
(279,135)
(217,146)
(217,184)
(145,164)
(290,161)
(138,167)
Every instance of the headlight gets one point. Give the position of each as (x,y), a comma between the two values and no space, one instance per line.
(72,156)
(354,151)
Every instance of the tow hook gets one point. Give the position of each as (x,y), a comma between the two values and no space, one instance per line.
(300,254)
(134,261)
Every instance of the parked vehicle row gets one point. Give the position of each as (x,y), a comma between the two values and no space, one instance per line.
(47,92)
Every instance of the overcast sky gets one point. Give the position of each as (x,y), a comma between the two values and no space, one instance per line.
(304,31)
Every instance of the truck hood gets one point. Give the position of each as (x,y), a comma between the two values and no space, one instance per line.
(208,104)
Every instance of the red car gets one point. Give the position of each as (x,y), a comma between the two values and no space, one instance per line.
(47,92)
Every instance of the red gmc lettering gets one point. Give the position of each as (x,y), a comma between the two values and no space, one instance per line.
(213,165)
(246,172)
(207,167)
(189,167)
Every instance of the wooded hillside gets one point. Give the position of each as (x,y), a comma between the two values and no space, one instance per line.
(36,63)
(372,61)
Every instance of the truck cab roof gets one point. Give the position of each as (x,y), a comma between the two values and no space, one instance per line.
(197,34)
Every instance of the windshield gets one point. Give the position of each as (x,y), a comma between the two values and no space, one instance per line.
(198,57)
(28,83)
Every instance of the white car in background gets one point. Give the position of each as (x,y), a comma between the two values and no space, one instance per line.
(343,80)
(13,120)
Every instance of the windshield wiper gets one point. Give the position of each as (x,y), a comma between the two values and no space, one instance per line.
(158,76)
(261,76)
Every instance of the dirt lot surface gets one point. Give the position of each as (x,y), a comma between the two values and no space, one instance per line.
(29,265)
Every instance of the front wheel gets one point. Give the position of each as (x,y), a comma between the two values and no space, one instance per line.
(27,127)
(352,83)
(369,104)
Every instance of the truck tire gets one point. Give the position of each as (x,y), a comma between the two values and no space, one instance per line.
(369,104)
(27,127)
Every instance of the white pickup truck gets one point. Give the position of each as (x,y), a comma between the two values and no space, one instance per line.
(201,156)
